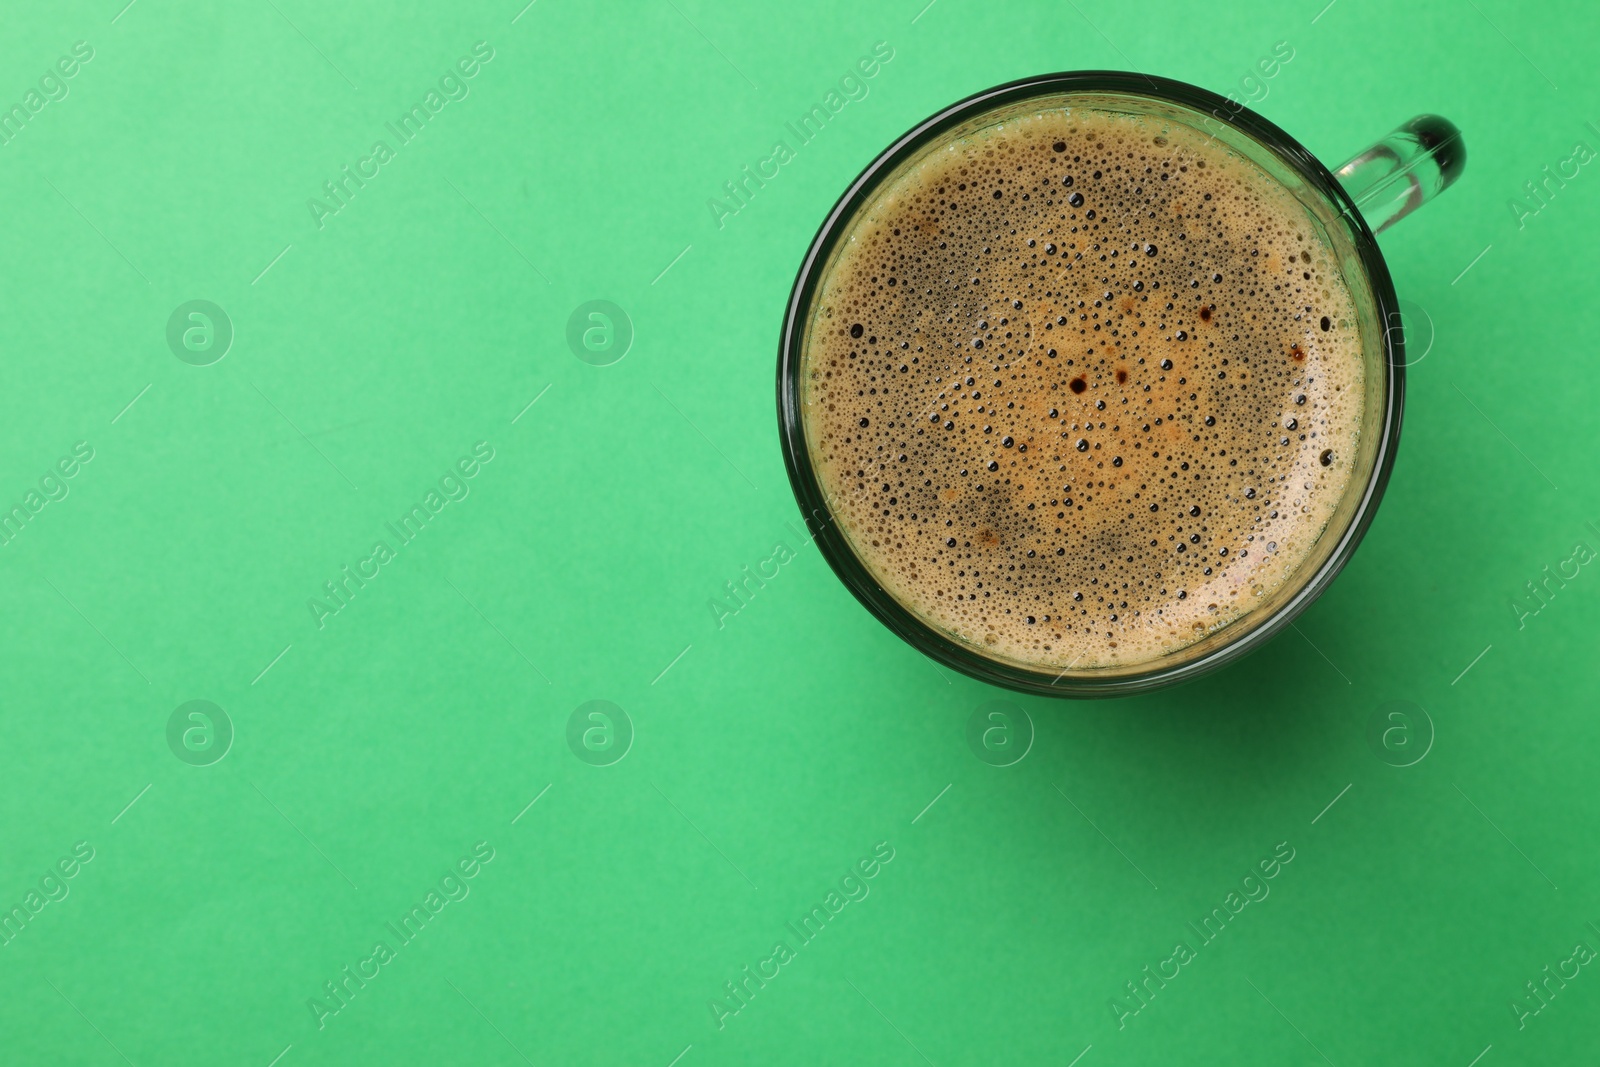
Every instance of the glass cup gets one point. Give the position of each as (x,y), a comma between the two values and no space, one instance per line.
(1365,196)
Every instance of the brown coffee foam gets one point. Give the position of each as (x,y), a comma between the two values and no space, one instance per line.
(1059,560)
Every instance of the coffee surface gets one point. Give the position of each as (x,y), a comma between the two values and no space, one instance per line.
(1081,387)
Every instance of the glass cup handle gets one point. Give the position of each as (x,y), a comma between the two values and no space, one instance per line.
(1405,170)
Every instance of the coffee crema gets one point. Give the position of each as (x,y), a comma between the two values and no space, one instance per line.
(1081,386)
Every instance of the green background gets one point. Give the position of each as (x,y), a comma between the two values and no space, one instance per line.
(771,753)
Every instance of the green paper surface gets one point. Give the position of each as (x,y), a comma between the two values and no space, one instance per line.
(579,805)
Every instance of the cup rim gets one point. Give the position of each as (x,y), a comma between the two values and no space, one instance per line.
(803,480)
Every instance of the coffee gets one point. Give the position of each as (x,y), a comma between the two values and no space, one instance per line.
(1081,386)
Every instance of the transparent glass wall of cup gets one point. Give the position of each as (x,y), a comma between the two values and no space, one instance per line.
(1363,197)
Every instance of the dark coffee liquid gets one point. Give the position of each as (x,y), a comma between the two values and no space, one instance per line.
(1082,387)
